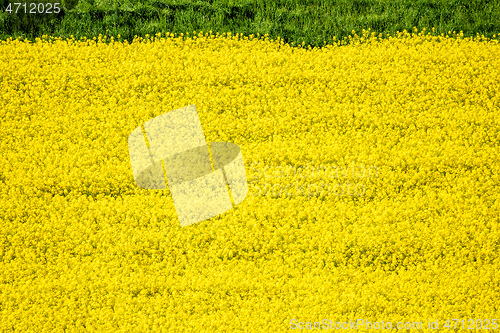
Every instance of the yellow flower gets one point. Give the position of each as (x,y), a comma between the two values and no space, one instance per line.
(411,119)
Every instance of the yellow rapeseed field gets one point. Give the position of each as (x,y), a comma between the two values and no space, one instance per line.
(411,120)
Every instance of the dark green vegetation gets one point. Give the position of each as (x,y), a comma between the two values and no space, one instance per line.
(295,21)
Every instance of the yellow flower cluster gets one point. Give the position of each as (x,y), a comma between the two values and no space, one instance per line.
(83,248)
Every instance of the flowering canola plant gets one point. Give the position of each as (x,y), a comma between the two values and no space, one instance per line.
(83,248)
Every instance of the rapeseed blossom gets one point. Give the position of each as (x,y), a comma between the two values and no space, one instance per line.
(82,247)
